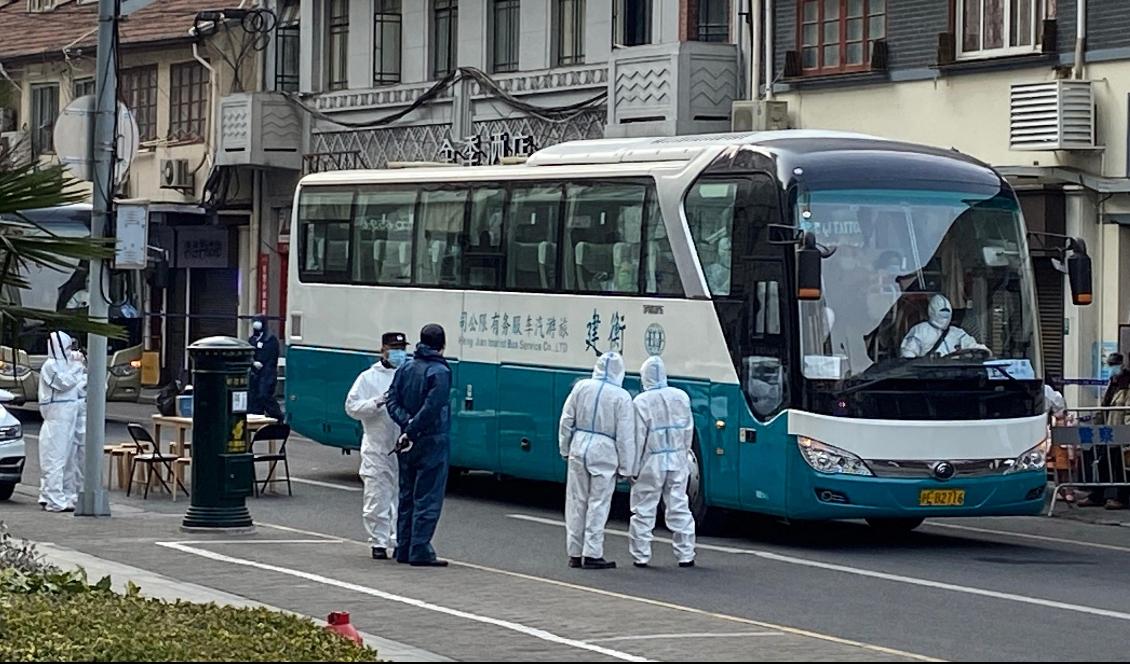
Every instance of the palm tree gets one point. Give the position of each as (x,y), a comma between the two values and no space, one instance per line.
(29,186)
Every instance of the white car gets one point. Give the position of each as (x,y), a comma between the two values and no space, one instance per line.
(12,452)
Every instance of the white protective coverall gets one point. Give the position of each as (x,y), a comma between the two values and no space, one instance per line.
(379,470)
(923,337)
(664,431)
(73,477)
(597,436)
(60,380)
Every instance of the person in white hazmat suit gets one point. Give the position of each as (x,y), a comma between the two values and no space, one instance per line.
(936,336)
(379,468)
(60,380)
(73,477)
(664,432)
(597,437)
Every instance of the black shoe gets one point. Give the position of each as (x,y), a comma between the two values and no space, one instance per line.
(640,565)
(435,562)
(380,553)
(689,563)
(574,561)
(597,563)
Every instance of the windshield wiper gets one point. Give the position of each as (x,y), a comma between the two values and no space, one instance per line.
(910,370)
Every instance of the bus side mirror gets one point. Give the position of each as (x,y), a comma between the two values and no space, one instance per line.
(1079,273)
(809,279)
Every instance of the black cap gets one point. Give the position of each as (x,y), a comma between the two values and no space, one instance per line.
(394,339)
(433,336)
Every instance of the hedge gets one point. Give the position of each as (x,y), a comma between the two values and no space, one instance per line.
(47,614)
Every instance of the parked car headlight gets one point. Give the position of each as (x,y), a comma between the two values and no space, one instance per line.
(825,458)
(11,432)
(1034,459)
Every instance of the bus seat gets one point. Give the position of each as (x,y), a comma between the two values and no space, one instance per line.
(522,266)
(658,281)
(547,259)
(593,265)
(395,262)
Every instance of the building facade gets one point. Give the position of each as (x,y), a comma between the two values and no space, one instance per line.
(1036,88)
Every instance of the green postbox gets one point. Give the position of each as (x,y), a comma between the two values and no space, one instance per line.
(222,469)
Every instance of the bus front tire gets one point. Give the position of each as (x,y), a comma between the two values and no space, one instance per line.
(6,490)
(895,526)
(705,517)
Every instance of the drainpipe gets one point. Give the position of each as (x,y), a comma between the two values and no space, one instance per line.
(1080,36)
(768,49)
(754,50)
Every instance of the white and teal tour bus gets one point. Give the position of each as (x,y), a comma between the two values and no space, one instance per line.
(778,275)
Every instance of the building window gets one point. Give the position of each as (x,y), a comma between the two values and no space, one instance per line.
(837,35)
(445,19)
(44,111)
(633,22)
(82,87)
(337,45)
(505,35)
(286,47)
(386,42)
(569,32)
(188,101)
(997,27)
(137,89)
(711,20)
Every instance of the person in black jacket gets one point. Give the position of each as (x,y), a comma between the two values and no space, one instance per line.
(264,371)
(419,402)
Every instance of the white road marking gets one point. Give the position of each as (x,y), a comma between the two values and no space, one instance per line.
(420,604)
(692,635)
(858,571)
(264,541)
(327,485)
(1029,536)
(659,603)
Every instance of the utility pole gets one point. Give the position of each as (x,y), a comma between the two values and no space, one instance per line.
(93,501)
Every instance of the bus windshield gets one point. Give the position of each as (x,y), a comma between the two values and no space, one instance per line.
(919,277)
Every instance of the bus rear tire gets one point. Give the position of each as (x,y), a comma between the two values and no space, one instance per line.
(895,526)
(6,490)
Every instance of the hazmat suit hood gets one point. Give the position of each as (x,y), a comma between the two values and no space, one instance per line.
(940,312)
(653,373)
(59,346)
(610,369)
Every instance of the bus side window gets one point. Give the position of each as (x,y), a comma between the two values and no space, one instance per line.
(603,230)
(531,230)
(325,218)
(439,237)
(661,276)
(484,238)
(382,235)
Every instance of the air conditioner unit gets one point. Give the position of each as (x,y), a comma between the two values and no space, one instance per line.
(176,174)
(759,115)
(1056,115)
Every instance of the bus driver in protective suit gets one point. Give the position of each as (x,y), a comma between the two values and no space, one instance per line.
(379,467)
(597,437)
(664,431)
(936,336)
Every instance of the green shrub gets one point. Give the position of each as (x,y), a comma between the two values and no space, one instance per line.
(21,555)
(104,626)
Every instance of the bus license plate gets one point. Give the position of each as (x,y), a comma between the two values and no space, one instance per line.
(941,497)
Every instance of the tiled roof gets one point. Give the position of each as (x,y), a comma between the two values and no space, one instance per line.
(24,34)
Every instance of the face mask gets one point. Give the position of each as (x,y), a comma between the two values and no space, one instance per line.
(257,326)
(397,356)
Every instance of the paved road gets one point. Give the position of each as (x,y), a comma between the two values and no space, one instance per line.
(997,589)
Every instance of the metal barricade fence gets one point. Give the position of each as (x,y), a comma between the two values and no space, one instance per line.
(1090,451)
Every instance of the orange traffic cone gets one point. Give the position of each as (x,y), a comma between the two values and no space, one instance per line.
(339,623)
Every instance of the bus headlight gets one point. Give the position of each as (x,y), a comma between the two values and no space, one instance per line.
(125,370)
(13,370)
(1034,459)
(829,459)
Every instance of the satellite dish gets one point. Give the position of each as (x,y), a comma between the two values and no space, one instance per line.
(73,131)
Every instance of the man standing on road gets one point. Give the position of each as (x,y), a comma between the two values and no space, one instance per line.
(379,469)
(419,402)
(76,461)
(597,437)
(60,379)
(665,431)
(264,371)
